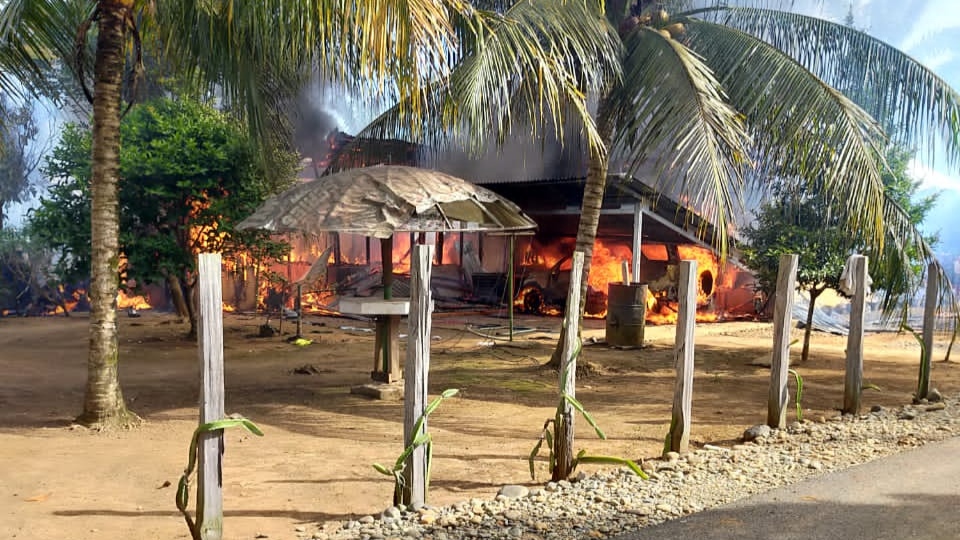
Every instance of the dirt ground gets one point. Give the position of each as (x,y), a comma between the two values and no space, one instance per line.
(314,462)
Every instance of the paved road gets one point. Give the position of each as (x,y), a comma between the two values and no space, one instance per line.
(911,495)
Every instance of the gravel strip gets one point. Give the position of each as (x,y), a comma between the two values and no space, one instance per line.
(613,502)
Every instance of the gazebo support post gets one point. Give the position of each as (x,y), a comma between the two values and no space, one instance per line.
(386,353)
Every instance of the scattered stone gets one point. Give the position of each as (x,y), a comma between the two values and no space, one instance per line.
(392,512)
(876,409)
(428,517)
(934,396)
(759,431)
(610,502)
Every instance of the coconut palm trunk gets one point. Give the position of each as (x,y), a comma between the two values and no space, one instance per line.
(103,404)
(593,191)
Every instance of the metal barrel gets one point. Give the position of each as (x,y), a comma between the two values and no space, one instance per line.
(626,314)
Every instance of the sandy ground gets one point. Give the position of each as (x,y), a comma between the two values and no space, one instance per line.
(314,462)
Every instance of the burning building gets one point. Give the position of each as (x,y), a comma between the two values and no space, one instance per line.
(546,181)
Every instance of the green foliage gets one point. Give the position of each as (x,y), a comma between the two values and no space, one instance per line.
(550,429)
(422,439)
(188,175)
(899,268)
(799,401)
(801,225)
(923,378)
(18,131)
(183,487)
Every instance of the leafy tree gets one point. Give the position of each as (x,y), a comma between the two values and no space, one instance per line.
(28,283)
(256,55)
(800,225)
(898,268)
(189,174)
(712,96)
(18,132)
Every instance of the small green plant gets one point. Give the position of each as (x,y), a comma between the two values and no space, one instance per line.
(183,488)
(923,379)
(799,400)
(548,435)
(423,439)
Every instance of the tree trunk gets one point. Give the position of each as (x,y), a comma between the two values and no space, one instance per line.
(176,295)
(589,217)
(193,307)
(103,404)
(808,327)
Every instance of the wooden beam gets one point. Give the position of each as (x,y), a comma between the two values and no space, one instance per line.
(637,240)
(929,324)
(210,340)
(511,269)
(853,378)
(780,357)
(416,373)
(683,349)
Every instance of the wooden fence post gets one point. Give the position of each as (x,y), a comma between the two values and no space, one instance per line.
(415,373)
(564,428)
(683,348)
(210,465)
(853,378)
(637,239)
(929,324)
(780,358)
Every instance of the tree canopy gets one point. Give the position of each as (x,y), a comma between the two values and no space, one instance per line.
(18,156)
(188,175)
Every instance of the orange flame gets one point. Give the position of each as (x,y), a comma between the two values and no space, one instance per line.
(125,301)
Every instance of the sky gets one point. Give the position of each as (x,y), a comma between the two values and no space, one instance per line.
(927,30)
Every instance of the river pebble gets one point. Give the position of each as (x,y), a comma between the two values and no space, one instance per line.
(612,502)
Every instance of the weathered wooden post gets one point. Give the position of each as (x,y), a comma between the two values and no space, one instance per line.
(780,357)
(929,324)
(679,435)
(563,426)
(416,372)
(510,280)
(210,465)
(637,239)
(853,378)
(298,305)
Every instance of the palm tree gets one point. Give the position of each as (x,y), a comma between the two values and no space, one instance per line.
(775,73)
(715,99)
(255,54)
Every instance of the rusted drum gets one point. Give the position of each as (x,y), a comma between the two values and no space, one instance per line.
(626,314)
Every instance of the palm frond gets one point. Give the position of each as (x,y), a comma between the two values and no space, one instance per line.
(903,281)
(374,48)
(532,66)
(802,127)
(912,103)
(670,109)
(34,35)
